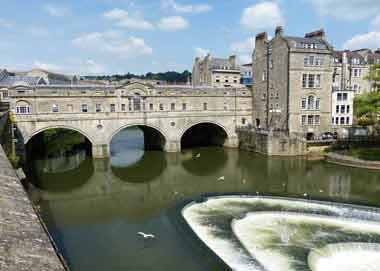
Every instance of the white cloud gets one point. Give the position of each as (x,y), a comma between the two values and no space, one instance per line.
(107,42)
(173,5)
(5,24)
(367,40)
(55,10)
(350,10)
(244,50)
(173,23)
(262,16)
(201,52)
(72,66)
(123,19)
(47,66)
(245,46)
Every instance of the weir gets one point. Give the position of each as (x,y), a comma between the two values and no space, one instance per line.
(272,234)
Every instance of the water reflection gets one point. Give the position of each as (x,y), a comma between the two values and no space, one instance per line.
(197,161)
(116,198)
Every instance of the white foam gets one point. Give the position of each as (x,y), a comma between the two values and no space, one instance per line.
(256,230)
(346,257)
(259,233)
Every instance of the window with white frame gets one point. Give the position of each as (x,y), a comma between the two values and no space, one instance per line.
(55,108)
(112,108)
(303,103)
(23,108)
(310,102)
(98,108)
(317,120)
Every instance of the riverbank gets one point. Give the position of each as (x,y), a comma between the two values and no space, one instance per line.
(24,245)
(351,161)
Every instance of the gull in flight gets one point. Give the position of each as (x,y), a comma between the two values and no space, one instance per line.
(146,236)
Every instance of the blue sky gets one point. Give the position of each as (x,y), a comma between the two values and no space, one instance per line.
(138,36)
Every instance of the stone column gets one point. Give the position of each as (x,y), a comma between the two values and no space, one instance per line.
(232,142)
(172,146)
(100,151)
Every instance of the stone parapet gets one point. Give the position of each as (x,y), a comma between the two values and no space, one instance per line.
(24,245)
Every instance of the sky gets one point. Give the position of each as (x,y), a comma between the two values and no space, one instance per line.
(138,36)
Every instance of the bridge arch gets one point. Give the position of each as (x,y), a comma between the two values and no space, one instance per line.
(154,137)
(204,133)
(28,137)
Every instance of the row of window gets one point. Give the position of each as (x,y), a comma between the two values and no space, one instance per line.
(226,81)
(310,103)
(311,80)
(342,109)
(341,121)
(98,107)
(310,120)
(313,61)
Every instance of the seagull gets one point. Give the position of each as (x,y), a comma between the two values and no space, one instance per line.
(146,236)
(305,195)
(321,191)
(222,178)
(257,193)
(198,155)
(244,181)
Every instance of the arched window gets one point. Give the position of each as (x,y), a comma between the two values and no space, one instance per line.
(23,107)
(310,102)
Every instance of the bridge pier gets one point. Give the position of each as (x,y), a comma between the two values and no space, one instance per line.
(101,151)
(231,142)
(172,146)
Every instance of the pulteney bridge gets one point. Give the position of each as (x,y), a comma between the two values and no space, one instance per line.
(169,116)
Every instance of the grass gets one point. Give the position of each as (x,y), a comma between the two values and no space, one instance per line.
(369,154)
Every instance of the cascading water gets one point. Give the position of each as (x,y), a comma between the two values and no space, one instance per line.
(273,234)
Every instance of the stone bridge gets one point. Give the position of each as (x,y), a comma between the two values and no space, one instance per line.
(166,114)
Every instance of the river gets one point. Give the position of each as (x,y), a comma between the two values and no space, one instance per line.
(95,209)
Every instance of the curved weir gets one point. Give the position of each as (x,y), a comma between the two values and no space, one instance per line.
(273,234)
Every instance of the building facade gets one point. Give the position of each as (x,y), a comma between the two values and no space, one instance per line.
(292,83)
(216,72)
(342,109)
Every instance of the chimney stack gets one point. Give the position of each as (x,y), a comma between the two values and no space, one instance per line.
(279,31)
(319,34)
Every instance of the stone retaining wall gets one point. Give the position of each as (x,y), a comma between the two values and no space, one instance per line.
(350,161)
(24,244)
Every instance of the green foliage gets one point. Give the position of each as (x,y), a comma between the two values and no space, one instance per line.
(374,76)
(59,140)
(369,154)
(170,76)
(367,108)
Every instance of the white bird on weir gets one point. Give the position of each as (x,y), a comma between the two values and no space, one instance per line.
(222,178)
(198,155)
(146,236)
(306,195)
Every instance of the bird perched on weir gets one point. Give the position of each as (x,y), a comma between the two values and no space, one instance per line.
(146,236)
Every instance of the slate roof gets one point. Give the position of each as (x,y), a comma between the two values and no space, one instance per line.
(300,40)
(9,81)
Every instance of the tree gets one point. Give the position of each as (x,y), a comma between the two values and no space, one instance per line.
(367,108)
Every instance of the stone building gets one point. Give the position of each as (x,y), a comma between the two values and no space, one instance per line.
(216,72)
(292,89)
(351,70)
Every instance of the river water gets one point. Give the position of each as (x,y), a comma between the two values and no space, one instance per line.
(94,209)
